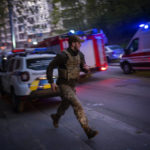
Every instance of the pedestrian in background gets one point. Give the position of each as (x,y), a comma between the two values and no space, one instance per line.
(69,63)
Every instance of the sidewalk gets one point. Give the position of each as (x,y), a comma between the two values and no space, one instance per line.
(34,131)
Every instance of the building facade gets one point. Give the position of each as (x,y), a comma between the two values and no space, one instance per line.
(31,24)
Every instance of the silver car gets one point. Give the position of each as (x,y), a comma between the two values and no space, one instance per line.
(113,52)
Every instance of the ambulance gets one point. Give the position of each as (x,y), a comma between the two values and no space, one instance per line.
(92,48)
(137,54)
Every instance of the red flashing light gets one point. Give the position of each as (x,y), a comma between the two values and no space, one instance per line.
(18,50)
(103,68)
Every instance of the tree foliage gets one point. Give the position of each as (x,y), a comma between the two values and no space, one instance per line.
(124,16)
(118,18)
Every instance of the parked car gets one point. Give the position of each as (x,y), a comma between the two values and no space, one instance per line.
(24,78)
(113,52)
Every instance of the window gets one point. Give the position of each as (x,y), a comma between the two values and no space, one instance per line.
(20,20)
(38,63)
(31,20)
(134,45)
(20,28)
(22,36)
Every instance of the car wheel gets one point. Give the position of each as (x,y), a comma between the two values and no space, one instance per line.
(18,105)
(127,69)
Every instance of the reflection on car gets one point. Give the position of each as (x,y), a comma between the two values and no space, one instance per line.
(113,52)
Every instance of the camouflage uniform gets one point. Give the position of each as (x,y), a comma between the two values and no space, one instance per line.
(69,64)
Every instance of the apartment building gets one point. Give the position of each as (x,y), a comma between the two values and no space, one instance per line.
(31,24)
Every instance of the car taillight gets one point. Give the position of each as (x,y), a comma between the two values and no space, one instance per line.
(25,76)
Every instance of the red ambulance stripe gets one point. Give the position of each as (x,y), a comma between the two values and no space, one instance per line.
(138,54)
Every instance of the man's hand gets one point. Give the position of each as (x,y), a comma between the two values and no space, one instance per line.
(54,87)
(86,67)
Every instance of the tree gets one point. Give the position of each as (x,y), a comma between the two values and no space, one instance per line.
(115,17)
(123,18)
(118,18)
(55,18)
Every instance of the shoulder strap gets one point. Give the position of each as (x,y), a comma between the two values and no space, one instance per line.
(67,53)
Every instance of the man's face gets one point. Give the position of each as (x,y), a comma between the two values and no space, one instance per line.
(76,45)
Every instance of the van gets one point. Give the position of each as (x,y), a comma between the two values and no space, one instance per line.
(137,53)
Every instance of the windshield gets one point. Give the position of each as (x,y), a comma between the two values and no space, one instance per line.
(39,63)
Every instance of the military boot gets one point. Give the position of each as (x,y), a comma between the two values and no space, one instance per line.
(55,120)
(90,133)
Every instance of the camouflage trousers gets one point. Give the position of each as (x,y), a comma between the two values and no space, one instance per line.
(69,97)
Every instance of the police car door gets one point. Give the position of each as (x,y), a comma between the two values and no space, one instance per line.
(8,76)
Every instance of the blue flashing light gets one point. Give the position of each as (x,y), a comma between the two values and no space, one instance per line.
(43,49)
(94,31)
(72,31)
(80,33)
(141,25)
(146,26)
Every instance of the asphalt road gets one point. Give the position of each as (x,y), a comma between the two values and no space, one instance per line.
(117,105)
(125,97)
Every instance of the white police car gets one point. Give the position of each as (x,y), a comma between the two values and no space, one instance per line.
(25,77)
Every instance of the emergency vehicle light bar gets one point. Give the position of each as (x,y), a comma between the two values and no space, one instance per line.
(43,49)
(30,50)
(87,32)
(18,50)
(145,26)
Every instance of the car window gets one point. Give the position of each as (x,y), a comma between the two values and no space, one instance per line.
(134,45)
(38,63)
(115,47)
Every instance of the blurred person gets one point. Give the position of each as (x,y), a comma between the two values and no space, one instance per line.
(69,63)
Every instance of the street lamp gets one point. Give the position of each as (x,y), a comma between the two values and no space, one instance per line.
(11,24)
